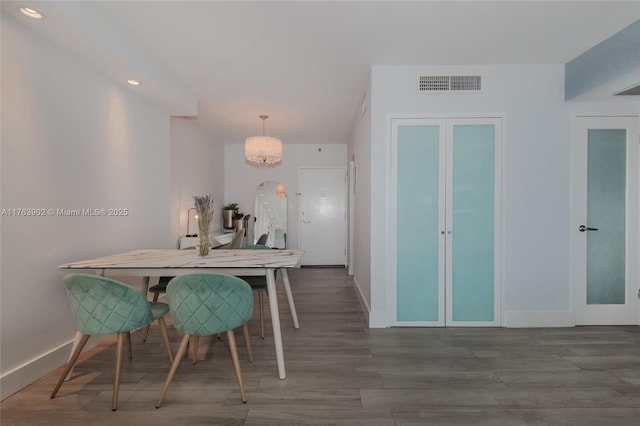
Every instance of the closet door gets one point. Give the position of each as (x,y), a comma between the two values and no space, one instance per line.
(419,197)
(445,190)
(472,222)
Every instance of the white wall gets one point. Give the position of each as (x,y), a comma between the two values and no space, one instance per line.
(241,179)
(360,152)
(536,179)
(197,168)
(71,139)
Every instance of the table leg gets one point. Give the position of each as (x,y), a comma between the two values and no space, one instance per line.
(145,286)
(287,290)
(275,321)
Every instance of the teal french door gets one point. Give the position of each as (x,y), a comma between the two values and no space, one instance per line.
(446,219)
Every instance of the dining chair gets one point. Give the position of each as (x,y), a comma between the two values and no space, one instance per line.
(206,304)
(161,288)
(237,240)
(102,306)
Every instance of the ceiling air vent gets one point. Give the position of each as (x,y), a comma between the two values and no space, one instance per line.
(449,83)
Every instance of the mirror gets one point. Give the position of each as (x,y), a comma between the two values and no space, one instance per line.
(270,213)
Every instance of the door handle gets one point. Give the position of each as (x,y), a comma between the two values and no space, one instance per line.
(583,228)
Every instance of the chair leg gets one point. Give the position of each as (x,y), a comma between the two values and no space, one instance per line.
(247,341)
(194,360)
(146,332)
(128,336)
(261,302)
(69,366)
(236,362)
(165,337)
(174,367)
(146,329)
(116,381)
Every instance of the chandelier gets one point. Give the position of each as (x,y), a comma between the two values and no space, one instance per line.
(263,150)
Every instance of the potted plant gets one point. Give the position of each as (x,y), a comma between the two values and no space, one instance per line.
(228,212)
(231,206)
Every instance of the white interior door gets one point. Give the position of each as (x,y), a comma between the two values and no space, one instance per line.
(323,219)
(605,220)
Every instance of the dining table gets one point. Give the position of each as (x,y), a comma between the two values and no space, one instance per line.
(173,262)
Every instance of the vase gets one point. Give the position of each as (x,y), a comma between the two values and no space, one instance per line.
(227,219)
(204,208)
(203,244)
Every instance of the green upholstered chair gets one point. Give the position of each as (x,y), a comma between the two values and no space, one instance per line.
(207,304)
(101,306)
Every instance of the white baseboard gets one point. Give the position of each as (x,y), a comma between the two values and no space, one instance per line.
(511,319)
(27,373)
(363,302)
(522,319)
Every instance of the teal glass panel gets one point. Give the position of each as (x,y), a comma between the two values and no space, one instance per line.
(473,223)
(417,227)
(606,188)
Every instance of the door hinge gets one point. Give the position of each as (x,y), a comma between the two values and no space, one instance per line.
(639,293)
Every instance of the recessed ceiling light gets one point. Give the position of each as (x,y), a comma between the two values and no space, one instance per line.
(133,82)
(31,13)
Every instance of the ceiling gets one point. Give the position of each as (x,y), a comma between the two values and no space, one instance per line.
(306,63)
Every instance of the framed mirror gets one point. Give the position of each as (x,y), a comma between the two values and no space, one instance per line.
(270,213)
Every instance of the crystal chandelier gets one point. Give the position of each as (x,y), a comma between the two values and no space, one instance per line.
(263,150)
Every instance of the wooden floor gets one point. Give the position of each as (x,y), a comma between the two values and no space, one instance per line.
(339,372)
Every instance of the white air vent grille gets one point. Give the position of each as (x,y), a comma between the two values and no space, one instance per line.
(434,83)
(449,83)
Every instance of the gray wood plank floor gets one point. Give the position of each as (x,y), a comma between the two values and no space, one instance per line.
(339,372)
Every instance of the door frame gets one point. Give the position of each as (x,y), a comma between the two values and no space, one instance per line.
(578,195)
(351,191)
(446,121)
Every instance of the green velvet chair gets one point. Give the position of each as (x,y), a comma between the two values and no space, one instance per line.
(101,306)
(206,304)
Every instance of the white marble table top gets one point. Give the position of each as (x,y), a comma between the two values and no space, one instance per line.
(173,258)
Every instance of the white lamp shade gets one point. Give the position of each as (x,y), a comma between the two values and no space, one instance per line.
(263,150)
